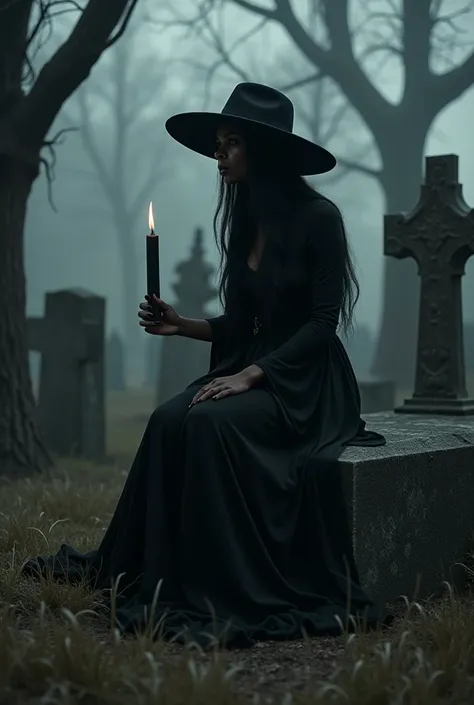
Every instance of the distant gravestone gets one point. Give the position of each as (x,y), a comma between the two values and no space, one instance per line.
(115,363)
(184,360)
(439,235)
(70,338)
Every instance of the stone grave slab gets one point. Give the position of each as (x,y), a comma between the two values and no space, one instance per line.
(410,502)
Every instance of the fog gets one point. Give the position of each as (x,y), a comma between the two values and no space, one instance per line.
(77,246)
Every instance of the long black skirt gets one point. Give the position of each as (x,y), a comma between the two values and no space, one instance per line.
(239,537)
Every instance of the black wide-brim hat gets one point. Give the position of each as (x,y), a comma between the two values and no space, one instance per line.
(259,108)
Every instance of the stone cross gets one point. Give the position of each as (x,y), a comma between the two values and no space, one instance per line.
(439,235)
(71,405)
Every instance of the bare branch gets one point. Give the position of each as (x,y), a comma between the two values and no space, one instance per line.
(39,24)
(224,55)
(90,145)
(451,85)
(353,165)
(155,173)
(49,166)
(125,99)
(336,18)
(335,122)
(392,20)
(347,167)
(214,37)
(68,5)
(300,82)
(257,9)
(416,46)
(449,19)
(71,64)
(42,29)
(338,62)
(123,25)
(379,47)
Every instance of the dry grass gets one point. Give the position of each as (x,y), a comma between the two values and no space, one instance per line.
(57,644)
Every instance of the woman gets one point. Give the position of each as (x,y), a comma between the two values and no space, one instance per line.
(222,507)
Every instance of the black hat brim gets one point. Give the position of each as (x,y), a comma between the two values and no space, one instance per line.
(197,131)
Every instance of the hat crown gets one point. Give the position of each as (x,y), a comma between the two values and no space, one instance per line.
(260,103)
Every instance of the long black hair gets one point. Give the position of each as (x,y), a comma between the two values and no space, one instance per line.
(268,198)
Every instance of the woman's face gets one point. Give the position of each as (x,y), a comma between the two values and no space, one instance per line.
(231,155)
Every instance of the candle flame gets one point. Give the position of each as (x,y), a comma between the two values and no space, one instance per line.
(151,221)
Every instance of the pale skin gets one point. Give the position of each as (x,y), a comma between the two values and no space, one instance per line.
(232,163)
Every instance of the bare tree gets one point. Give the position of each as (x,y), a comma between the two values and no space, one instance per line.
(29,103)
(119,133)
(438,67)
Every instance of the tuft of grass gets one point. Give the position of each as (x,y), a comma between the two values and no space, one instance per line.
(426,659)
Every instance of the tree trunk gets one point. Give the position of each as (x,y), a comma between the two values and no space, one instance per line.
(21,448)
(401,179)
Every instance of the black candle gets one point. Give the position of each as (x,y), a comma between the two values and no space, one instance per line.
(153,263)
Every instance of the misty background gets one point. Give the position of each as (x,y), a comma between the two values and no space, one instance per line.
(120,157)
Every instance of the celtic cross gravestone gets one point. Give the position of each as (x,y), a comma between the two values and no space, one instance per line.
(439,235)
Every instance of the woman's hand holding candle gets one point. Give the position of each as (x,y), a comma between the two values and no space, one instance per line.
(170,320)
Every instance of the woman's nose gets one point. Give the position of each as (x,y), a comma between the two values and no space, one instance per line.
(219,153)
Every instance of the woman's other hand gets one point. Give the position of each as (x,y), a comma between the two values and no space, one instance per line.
(223,387)
(170,320)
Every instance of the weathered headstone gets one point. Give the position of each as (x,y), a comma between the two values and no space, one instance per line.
(115,363)
(183,360)
(70,338)
(439,235)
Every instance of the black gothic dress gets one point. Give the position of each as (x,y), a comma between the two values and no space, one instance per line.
(235,507)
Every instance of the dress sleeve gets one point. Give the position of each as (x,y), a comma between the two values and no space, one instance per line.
(218,326)
(219,330)
(325,251)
